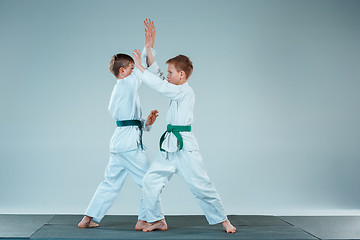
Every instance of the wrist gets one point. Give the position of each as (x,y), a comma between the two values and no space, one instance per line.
(140,67)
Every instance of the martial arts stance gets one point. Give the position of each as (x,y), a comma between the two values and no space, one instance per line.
(127,154)
(179,151)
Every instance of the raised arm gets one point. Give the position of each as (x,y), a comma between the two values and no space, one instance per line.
(149,56)
(150,34)
(165,88)
(149,40)
(150,31)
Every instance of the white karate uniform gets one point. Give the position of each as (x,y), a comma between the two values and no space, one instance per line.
(186,162)
(126,155)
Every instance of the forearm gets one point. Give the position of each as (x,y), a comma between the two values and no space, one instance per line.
(144,58)
(149,57)
(155,69)
(140,67)
(159,85)
(137,58)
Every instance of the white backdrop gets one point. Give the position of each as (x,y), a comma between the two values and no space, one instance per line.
(277,102)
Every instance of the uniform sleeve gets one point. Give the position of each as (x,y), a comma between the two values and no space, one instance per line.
(136,71)
(111,102)
(143,57)
(143,125)
(172,91)
(154,68)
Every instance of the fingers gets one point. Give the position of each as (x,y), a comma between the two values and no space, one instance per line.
(149,32)
(152,26)
(149,25)
(147,35)
(155,113)
(136,53)
(152,117)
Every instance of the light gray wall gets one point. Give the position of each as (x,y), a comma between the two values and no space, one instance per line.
(277,101)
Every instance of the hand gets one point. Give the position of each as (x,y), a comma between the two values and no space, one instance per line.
(152,117)
(149,33)
(148,40)
(137,58)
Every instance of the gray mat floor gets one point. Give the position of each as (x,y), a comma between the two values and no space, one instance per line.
(328,227)
(180,227)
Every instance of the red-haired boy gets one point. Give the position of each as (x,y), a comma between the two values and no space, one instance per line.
(179,151)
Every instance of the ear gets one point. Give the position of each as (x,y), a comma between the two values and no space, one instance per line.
(182,74)
(121,71)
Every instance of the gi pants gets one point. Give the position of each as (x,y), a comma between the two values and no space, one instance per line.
(120,165)
(190,167)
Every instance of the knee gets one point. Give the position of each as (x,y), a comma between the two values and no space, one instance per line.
(146,181)
(110,185)
(152,183)
(203,190)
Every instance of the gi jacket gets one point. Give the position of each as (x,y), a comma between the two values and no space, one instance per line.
(182,101)
(125,105)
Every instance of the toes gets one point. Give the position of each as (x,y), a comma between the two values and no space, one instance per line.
(231,230)
(82,225)
(92,224)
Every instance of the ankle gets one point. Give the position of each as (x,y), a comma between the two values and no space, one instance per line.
(225,222)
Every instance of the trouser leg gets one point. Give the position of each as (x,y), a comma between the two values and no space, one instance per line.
(191,167)
(158,175)
(137,165)
(115,175)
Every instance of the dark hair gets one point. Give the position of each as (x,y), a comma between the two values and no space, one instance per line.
(182,63)
(119,60)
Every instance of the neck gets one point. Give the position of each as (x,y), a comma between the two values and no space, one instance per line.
(183,81)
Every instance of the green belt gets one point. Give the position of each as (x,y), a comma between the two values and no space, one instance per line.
(126,123)
(175,129)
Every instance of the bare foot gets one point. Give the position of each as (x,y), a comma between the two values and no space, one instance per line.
(158,225)
(229,228)
(140,225)
(87,223)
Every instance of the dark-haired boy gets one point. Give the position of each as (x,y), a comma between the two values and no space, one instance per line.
(127,154)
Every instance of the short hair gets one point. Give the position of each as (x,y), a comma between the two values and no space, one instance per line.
(182,63)
(119,60)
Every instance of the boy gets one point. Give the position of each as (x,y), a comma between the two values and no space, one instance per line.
(127,154)
(179,151)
